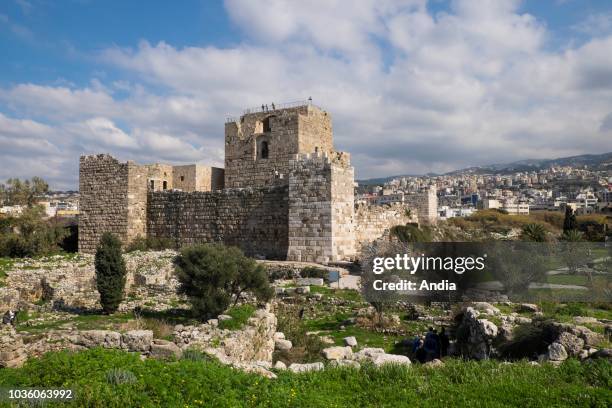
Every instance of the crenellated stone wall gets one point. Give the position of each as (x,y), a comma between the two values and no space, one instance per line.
(256,220)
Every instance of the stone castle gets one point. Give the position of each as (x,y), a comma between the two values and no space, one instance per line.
(285,193)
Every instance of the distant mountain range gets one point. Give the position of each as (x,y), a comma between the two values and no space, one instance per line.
(592,161)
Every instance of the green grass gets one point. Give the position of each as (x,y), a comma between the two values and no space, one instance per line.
(345,294)
(194,382)
(240,315)
(6,264)
(582,280)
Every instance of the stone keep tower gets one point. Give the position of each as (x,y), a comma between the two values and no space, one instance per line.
(260,146)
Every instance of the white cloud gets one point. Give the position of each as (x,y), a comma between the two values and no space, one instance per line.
(408,91)
(595,24)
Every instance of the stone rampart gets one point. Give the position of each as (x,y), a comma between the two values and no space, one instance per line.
(254,219)
(374,221)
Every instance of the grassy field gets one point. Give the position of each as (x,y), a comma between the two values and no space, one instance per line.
(5,265)
(106,378)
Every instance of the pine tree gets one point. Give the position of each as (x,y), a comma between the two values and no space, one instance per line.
(110,272)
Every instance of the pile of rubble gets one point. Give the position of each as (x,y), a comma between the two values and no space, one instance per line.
(12,351)
(478,336)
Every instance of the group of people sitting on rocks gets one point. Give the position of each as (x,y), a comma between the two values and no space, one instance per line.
(430,346)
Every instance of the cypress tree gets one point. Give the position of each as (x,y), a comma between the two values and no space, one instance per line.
(569,223)
(110,272)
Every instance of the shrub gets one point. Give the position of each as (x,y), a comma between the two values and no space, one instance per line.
(572,309)
(150,244)
(117,376)
(306,348)
(533,232)
(411,233)
(194,355)
(213,275)
(110,272)
(313,272)
(36,236)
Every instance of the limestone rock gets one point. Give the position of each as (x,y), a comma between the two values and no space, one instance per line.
(310,282)
(327,340)
(368,353)
(556,352)
(282,345)
(585,320)
(482,332)
(99,338)
(164,349)
(350,341)
(279,336)
(345,363)
(279,365)
(434,363)
(302,368)
(528,307)
(12,351)
(137,340)
(337,353)
(486,308)
(572,343)
(382,359)
(257,369)
(224,317)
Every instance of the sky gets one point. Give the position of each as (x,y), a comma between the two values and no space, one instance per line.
(413,86)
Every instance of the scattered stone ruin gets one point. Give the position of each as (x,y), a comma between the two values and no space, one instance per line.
(285,193)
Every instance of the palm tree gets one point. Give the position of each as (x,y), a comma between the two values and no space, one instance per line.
(572,235)
(533,232)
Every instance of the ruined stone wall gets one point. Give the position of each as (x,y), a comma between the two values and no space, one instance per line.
(374,221)
(285,132)
(321,203)
(255,220)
